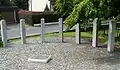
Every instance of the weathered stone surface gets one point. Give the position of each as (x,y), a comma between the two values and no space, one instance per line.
(111,36)
(61,29)
(3,32)
(95,33)
(78,41)
(43,30)
(40,58)
(22,31)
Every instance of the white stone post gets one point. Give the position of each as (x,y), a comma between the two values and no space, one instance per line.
(3,32)
(95,33)
(23,31)
(111,36)
(43,30)
(78,40)
(61,29)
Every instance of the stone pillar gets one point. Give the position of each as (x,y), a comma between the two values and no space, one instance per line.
(3,32)
(23,31)
(95,33)
(61,29)
(111,36)
(43,29)
(78,35)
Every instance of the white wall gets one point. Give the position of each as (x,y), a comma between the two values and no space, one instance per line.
(38,5)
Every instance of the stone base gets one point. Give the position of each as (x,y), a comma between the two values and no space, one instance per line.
(41,59)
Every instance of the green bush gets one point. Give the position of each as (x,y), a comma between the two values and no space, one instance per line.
(1,43)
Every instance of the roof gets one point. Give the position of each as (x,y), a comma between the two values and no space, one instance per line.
(8,8)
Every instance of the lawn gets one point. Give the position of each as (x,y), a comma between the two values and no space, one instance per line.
(87,35)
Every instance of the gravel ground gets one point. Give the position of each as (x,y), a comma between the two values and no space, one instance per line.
(65,56)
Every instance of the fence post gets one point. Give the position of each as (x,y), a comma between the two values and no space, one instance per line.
(23,31)
(43,29)
(111,36)
(61,29)
(3,32)
(78,40)
(95,33)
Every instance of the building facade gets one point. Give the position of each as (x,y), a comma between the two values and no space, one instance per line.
(38,5)
(9,14)
(41,10)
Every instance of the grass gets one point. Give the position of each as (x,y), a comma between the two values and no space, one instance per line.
(67,34)
(88,35)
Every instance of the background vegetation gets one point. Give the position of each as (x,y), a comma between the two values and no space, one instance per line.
(22,4)
(76,10)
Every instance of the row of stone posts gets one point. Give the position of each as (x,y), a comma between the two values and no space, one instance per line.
(111,35)
(60,23)
(23,31)
(4,32)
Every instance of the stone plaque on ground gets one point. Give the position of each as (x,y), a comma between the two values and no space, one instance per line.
(42,59)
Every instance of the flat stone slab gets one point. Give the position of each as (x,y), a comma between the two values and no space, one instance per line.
(41,59)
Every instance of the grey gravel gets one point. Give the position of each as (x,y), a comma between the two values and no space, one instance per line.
(65,56)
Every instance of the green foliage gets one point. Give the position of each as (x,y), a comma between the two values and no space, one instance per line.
(1,43)
(73,18)
(5,3)
(63,7)
(85,9)
(22,4)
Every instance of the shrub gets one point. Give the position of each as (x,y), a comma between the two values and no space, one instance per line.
(1,43)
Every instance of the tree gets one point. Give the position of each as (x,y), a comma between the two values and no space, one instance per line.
(22,4)
(63,7)
(5,3)
(85,9)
